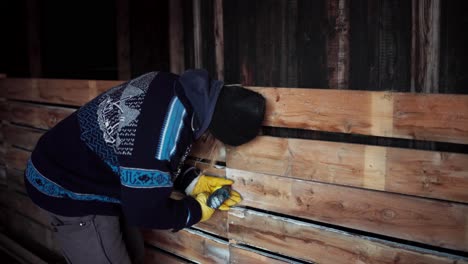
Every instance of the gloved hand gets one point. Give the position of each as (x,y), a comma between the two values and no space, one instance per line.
(207,184)
(207,212)
(234,199)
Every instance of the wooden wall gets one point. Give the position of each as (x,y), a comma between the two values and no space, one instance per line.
(291,212)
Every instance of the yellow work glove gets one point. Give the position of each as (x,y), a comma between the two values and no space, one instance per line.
(207,212)
(234,199)
(209,184)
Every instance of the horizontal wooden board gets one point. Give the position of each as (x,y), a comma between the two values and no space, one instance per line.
(16,159)
(322,245)
(435,117)
(190,244)
(57,91)
(426,221)
(431,174)
(22,204)
(157,256)
(240,255)
(216,225)
(33,115)
(22,137)
(32,235)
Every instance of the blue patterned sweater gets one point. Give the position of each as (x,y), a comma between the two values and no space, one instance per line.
(123,152)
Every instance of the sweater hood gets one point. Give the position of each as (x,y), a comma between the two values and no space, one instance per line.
(202,92)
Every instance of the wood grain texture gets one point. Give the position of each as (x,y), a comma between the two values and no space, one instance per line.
(315,243)
(35,237)
(189,244)
(156,256)
(431,222)
(22,204)
(338,56)
(241,255)
(425,46)
(33,115)
(218,25)
(434,117)
(57,91)
(16,159)
(440,175)
(216,225)
(22,137)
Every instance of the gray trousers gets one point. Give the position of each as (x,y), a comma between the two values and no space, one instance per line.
(97,239)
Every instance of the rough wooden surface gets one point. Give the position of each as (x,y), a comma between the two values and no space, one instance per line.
(322,245)
(58,91)
(241,255)
(190,244)
(434,117)
(176,37)
(156,256)
(432,174)
(431,222)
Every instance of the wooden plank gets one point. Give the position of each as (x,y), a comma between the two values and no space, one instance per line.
(33,236)
(57,91)
(203,149)
(22,137)
(216,225)
(197,34)
(33,115)
(219,38)
(431,222)
(176,37)
(425,46)
(158,256)
(16,158)
(240,255)
(322,245)
(22,204)
(338,55)
(20,253)
(435,117)
(123,39)
(190,244)
(431,174)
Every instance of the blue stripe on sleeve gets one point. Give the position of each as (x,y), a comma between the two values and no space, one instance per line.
(173,125)
(142,178)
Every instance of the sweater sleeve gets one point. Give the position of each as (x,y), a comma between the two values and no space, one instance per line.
(146,202)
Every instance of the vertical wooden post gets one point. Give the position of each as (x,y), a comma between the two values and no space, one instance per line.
(34,42)
(425,45)
(176,37)
(123,39)
(219,38)
(197,34)
(338,43)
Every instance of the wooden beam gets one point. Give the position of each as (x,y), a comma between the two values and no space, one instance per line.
(158,256)
(34,40)
(22,137)
(431,174)
(190,244)
(425,46)
(319,244)
(123,39)
(56,91)
(197,34)
(19,253)
(431,222)
(176,37)
(33,115)
(219,38)
(240,255)
(22,204)
(338,57)
(16,158)
(436,117)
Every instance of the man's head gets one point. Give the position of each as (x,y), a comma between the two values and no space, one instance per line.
(238,115)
